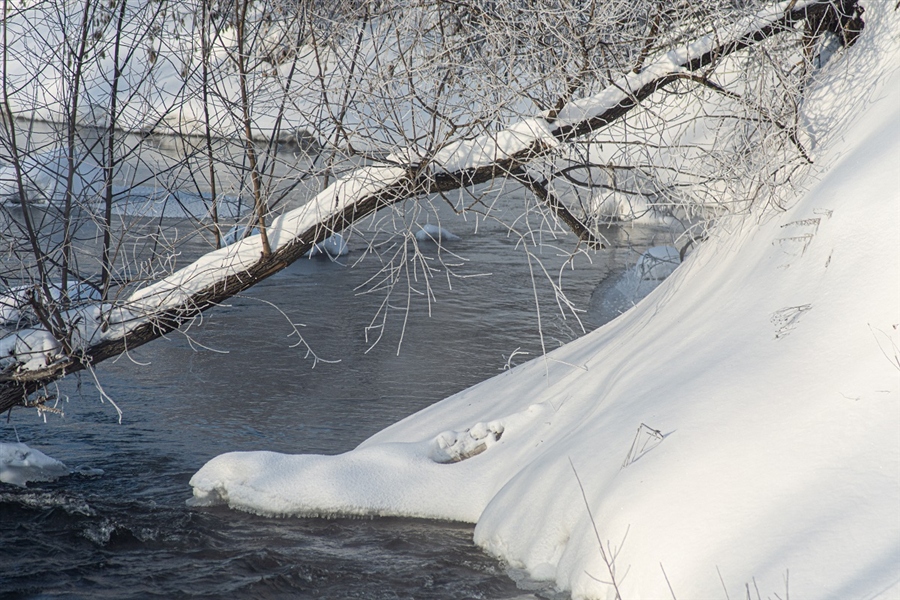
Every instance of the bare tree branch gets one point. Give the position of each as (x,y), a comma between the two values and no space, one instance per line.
(110,329)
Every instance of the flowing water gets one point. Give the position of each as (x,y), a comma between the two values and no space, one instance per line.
(235,382)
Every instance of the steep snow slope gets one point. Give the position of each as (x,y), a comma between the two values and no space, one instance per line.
(768,363)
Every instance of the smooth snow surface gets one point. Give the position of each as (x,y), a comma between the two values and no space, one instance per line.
(20,464)
(768,363)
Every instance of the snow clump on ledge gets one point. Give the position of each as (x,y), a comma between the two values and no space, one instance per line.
(333,246)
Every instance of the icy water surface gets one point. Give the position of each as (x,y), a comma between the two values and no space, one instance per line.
(127,532)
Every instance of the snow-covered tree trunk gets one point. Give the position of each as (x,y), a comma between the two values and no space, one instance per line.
(34,356)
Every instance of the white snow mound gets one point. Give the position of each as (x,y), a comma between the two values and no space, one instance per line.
(332,246)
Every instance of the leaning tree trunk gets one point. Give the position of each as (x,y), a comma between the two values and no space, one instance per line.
(221,274)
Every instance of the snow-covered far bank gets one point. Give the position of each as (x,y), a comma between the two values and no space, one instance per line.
(769,365)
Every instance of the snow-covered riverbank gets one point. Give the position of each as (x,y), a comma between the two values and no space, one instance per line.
(765,373)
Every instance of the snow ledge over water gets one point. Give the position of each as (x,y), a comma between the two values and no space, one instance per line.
(737,430)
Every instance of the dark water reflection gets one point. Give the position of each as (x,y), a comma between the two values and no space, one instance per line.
(128,534)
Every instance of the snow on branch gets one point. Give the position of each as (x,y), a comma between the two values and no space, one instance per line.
(32,357)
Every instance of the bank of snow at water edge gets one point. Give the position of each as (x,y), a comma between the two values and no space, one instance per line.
(768,363)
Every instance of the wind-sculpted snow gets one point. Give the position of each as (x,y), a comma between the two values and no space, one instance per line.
(766,367)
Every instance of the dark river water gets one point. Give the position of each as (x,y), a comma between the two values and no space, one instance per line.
(235,383)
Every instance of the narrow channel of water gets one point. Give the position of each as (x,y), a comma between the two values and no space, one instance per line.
(128,534)
(234,382)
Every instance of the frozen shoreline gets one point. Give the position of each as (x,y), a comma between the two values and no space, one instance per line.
(768,365)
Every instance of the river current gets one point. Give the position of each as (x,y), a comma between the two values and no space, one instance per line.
(234,382)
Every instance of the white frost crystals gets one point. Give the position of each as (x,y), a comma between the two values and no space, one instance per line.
(20,464)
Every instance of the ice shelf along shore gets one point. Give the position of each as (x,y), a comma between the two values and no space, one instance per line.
(738,429)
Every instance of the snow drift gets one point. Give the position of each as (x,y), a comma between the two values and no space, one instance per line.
(768,364)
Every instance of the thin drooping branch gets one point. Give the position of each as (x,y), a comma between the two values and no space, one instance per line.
(107,330)
(562,212)
(790,131)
